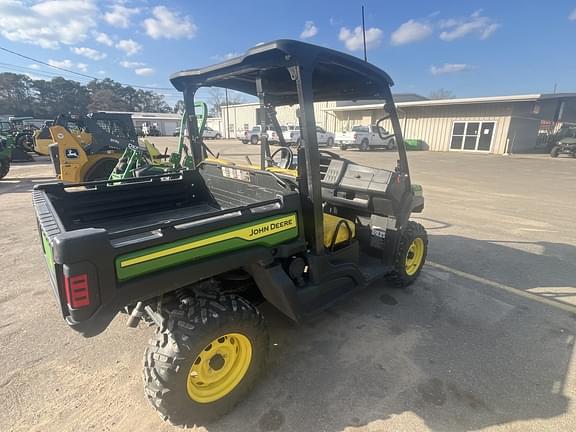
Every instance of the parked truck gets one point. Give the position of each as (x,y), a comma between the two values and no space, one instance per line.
(366,138)
(292,136)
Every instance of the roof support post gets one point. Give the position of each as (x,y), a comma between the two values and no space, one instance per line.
(264,147)
(313,210)
(196,143)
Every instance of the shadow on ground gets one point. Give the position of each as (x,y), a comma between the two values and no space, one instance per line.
(451,353)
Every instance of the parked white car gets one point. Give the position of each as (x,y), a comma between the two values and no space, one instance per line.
(210,133)
(292,136)
(365,138)
(253,136)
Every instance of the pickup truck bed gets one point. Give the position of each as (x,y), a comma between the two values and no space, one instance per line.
(111,245)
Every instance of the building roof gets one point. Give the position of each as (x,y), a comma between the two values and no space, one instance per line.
(150,115)
(459,101)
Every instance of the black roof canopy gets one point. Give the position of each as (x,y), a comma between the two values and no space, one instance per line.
(337,76)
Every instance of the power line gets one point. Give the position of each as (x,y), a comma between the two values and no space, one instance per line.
(35,72)
(77,73)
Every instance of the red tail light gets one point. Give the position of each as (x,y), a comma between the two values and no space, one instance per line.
(77,292)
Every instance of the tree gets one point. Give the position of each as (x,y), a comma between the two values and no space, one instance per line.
(16,93)
(442,94)
(179,107)
(21,95)
(218,100)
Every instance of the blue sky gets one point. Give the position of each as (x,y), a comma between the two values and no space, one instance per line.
(471,48)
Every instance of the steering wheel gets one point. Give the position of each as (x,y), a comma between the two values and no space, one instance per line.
(329,154)
(282,158)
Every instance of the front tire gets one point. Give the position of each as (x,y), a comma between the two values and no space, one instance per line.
(410,255)
(330,142)
(205,358)
(555,151)
(4,167)
(364,145)
(218,136)
(254,139)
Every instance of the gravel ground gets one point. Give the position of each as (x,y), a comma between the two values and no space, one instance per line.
(483,340)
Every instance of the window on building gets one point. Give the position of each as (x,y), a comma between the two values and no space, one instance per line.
(474,136)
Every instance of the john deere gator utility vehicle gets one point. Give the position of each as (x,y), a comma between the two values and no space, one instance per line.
(87,148)
(196,252)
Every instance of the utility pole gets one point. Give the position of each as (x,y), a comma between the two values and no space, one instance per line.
(227,114)
(364,35)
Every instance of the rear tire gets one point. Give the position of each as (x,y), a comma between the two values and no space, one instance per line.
(218,136)
(555,151)
(330,142)
(4,167)
(101,171)
(343,147)
(189,342)
(410,256)
(364,145)
(254,139)
(391,144)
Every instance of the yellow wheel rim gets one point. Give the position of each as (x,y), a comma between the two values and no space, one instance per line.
(219,368)
(414,256)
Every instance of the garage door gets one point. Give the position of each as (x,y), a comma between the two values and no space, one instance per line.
(472,136)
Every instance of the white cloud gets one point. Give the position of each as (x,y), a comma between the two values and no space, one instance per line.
(101,72)
(449,68)
(169,25)
(35,66)
(129,46)
(131,65)
(119,15)
(572,16)
(411,31)
(68,64)
(47,23)
(476,23)
(310,30)
(90,53)
(103,38)
(145,71)
(353,39)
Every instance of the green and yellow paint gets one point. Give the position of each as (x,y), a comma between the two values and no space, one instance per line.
(264,232)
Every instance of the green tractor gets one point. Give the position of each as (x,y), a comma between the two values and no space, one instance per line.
(15,145)
(5,157)
(196,252)
(138,161)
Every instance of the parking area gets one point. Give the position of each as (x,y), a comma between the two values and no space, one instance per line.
(483,341)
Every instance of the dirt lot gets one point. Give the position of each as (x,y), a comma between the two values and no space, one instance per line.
(483,340)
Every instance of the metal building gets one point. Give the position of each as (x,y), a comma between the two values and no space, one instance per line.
(496,124)
(499,124)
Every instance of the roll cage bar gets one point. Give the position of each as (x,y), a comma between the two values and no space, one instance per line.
(288,72)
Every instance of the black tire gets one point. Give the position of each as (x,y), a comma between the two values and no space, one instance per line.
(4,167)
(555,151)
(330,142)
(399,275)
(218,136)
(101,170)
(25,142)
(245,141)
(343,147)
(391,144)
(189,330)
(254,139)
(364,145)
